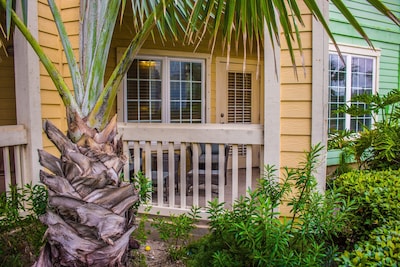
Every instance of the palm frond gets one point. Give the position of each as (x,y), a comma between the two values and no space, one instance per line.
(384,10)
(100,17)
(351,19)
(72,64)
(102,109)
(242,21)
(58,80)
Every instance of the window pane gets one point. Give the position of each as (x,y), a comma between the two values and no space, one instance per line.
(196,112)
(175,91)
(133,111)
(175,111)
(175,70)
(196,72)
(144,92)
(145,96)
(132,93)
(185,91)
(337,92)
(196,91)
(360,82)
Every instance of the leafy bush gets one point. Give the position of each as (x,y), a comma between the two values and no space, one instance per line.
(143,185)
(381,249)
(21,233)
(376,195)
(379,147)
(253,234)
(176,231)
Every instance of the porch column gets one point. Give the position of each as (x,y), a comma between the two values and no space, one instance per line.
(320,57)
(27,93)
(272,99)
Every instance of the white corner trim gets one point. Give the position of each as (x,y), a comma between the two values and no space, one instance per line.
(319,124)
(272,102)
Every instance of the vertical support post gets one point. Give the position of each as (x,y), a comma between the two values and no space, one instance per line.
(319,124)
(272,102)
(27,93)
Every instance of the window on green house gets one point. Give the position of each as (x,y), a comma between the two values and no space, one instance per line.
(355,75)
(164,89)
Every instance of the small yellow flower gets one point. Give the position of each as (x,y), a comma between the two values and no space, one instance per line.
(147,248)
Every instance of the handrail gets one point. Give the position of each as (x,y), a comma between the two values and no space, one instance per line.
(13,135)
(194,133)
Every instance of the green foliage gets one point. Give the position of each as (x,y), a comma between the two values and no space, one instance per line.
(176,230)
(21,233)
(141,233)
(377,148)
(22,203)
(344,141)
(143,185)
(253,234)
(376,195)
(382,248)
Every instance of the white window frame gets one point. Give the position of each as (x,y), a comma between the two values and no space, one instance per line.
(362,52)
(173,55)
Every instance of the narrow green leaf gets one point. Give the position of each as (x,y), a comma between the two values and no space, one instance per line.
(24,8)
(58,80)
(384,10)
(72,64)
(8,8)
(351,19)
(313,7)
(105,18)
(103,107)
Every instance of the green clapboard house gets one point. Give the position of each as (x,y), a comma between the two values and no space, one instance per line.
(365,70)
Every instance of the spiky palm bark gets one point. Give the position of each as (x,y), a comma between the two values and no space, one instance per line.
(89,217)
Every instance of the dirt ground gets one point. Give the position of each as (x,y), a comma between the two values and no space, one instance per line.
(157,256)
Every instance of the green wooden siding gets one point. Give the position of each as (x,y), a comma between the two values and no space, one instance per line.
(384,34)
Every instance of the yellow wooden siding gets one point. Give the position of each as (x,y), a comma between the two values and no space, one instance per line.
(296,98)
(7,86)
(296,109)
(296,92)
(52,106)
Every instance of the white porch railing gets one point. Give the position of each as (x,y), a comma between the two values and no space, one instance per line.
(13,139)
(153,148)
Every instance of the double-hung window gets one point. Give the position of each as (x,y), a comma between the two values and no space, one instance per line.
(165,89)
(352,76)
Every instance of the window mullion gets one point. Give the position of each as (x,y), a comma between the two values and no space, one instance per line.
(348,88)
(166,85)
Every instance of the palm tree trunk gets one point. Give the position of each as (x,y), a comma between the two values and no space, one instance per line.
(89,214)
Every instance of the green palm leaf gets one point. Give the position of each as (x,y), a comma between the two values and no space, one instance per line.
(58,80)
(72,64)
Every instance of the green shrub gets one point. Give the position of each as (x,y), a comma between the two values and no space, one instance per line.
(381,249)
(175,231)
(253,234)
(21,232)
(377,148)
(376,195)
